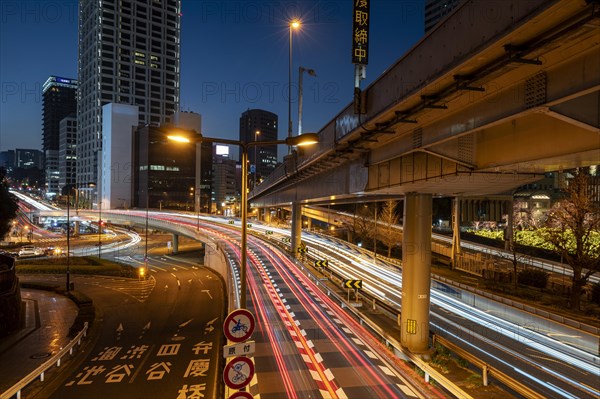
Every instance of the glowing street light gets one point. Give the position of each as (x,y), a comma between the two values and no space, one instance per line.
(256,134)
(294,24)
(182,136)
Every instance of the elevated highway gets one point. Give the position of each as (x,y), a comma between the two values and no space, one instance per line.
(495,96)
(498,94)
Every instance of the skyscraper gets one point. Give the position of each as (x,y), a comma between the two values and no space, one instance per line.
(260,125)
(436,10)
(128,54)
(59,101)
(67,150)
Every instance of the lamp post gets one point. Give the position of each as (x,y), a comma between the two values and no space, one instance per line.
(311,72)
(68,243)
(190,137)
(146,237)
(294,24)
(99,228)
(256,134)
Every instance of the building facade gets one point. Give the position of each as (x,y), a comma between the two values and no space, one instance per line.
(128,54)
(225,195)
(118,124)
(259,125)
(59,100)
(436,10)
(67,147)
(191,121)
(164,172)
(24,167)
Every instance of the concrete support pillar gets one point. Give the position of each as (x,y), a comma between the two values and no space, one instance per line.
(416,272)
(76,228)
(296,227)
(175,244)
(469,209)
(308,223)
(455,232)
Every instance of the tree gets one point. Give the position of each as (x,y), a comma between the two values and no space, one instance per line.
(572,230)
(521,219)
(390,219)
(362,225)
(8,205)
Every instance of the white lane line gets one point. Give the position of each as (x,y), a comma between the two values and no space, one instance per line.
(387,371)
(407,391)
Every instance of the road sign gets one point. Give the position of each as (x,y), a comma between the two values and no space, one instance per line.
(269,232)
(231,222)
(357,284)
(242,349)
(302,250)
(239,325)
(238,372)
(321,263)
(286,239)
(249,225)
(241,395)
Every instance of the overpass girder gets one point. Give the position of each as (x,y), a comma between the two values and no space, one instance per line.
(349,179)
(568,95)
(427,173)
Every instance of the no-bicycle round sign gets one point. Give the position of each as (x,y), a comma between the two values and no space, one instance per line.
(239,325)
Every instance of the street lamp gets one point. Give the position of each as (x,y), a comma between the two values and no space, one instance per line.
(68,189)
(187,137)
(311,72)
(294,24)
(99,229)
(255,159)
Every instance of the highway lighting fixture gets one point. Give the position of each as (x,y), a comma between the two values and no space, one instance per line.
(305,139)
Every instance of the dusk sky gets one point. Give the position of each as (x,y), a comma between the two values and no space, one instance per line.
(234,56)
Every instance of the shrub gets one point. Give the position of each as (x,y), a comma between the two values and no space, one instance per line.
(533,278)
(596,293)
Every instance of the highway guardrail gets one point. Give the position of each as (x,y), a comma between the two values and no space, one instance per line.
(41,370)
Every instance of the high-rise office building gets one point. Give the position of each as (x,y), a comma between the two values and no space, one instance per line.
(164,172)
(128,54)
(67,152)
(259,125)
(59,96)
(436,10)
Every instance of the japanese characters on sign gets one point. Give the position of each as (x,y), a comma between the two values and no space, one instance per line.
(243,349)
(360,32)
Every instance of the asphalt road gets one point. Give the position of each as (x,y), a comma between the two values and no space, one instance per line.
(160,337)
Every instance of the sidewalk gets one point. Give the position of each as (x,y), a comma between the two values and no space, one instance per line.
(48,317)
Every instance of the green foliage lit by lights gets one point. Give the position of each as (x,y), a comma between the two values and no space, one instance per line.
(534,238)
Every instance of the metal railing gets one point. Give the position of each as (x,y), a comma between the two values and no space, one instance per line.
(41,370)
(488,371)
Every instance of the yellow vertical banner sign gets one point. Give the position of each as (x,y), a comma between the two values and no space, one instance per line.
(360,31)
